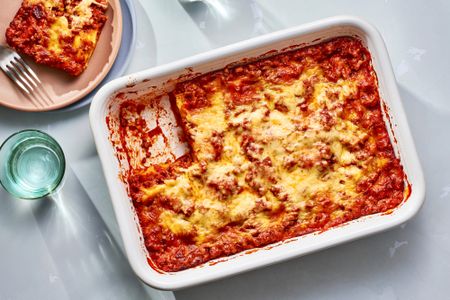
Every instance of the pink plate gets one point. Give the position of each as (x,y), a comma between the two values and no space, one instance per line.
(63,88)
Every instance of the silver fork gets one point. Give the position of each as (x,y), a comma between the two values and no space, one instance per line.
(24,77)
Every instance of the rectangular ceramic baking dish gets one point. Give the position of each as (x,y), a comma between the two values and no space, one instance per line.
(163,78)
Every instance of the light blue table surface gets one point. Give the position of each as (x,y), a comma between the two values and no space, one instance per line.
(68,249)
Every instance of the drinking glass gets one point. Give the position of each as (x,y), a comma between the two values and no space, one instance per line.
(32,164)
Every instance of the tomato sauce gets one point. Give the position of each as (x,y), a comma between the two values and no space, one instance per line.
(381,190)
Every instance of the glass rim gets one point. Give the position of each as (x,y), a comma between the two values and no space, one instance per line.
(63,163)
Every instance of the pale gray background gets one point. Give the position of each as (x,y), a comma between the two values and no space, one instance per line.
(67,249)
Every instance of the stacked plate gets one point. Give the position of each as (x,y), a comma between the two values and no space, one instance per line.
(110,60)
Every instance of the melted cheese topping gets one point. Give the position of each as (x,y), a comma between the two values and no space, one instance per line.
(48,4)
(80,15)
(59,29)
(204,119)
(293,159)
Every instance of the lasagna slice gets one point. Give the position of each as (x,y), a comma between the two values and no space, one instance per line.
(59,33)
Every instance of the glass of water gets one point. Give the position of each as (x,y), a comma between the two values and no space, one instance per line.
(32,164)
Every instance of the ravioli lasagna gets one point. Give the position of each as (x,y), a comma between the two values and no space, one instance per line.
(58,33)
(280,147)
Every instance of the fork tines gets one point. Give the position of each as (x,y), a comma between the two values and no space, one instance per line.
(24,77)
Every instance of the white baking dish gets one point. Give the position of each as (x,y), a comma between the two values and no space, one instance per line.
(157,77)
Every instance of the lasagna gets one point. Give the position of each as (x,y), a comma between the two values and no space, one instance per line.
(58,33)
(280,147)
